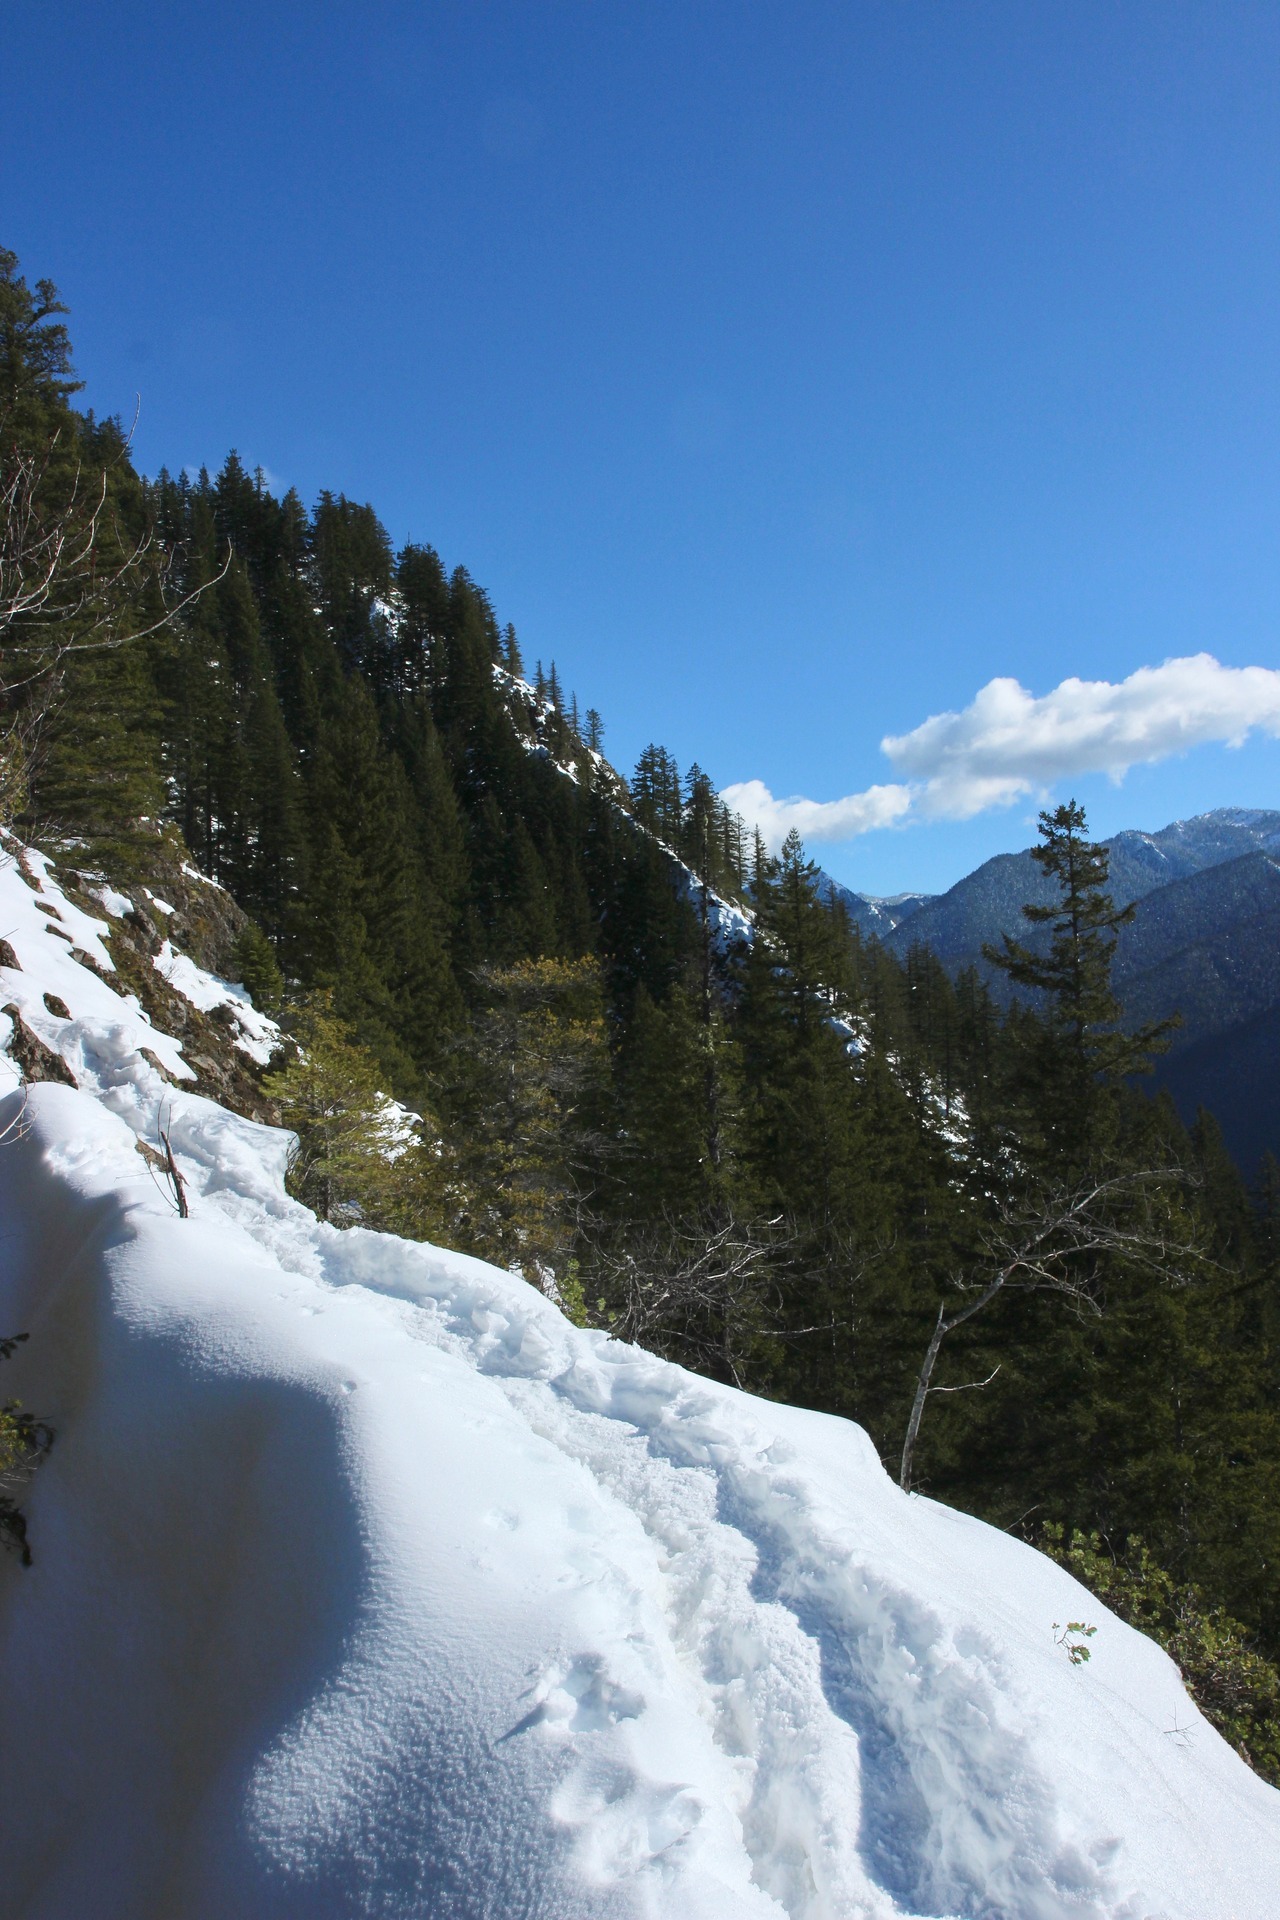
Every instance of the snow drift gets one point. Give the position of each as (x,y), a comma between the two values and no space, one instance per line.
(366,1585)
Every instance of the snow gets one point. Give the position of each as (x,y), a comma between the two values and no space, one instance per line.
(398,1126)
(254,1032)
(365,1584)
(116,904)
(103,1038)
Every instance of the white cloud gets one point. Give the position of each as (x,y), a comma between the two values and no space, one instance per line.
(816,819)
(1007,744)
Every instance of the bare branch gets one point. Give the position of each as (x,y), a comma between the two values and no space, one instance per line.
(696,1290)
(1052,1239)
(72,581)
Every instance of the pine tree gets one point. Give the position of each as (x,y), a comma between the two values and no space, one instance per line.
(673,1160)
(1086,1045)
(424,619)
(656,795)
(79,578)
(374,930)
(351,565)
(36,375)
(255,967)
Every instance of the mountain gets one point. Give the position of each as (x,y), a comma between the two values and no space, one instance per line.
(364,1582)
(1204,943)
(989,901)
(870,913)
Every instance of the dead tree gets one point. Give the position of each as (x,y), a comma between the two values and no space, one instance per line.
(65,563)
(72,581)
(695,1291)
(1052,1240)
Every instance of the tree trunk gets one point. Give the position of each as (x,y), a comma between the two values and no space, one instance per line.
(917,1405)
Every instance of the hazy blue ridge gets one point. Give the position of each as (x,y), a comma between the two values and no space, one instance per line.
(1205,942)
(989,901)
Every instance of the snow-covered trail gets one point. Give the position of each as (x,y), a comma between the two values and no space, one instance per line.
(365,1584)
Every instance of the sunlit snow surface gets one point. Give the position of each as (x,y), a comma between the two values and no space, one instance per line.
(365,1585)
(254,1034)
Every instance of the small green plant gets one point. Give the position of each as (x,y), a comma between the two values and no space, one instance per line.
(570,1295)
(1073,1637)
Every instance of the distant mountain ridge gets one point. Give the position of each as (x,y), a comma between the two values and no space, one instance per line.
(878,914)
(1205,942)
(989,901)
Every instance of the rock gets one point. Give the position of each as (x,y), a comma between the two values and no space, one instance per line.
(154,1061)
(94,966)
(37,1061)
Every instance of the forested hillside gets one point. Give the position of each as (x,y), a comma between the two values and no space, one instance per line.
(658,1072)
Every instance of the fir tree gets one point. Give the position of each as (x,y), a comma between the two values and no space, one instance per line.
(1086,1044)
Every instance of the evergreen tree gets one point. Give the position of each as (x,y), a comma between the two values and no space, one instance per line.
(1086,1048)
(656,795)
(526,1087)
(672,1165)
(329,1094)
(351,566)
(36,375)
(373,930)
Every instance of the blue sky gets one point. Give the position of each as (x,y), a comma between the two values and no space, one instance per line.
(786,373)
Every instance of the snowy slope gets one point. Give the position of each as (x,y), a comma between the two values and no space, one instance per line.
(365,1584)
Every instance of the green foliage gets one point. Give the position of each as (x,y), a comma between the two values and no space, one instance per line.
(672,1076)
(36,375)
(349,1162)
(526,1089)
(1234,1685)
(1072,1638)
(1083,1048)
(82,587)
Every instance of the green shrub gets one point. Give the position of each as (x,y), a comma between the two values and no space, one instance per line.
(24,1441)
(1234,1686)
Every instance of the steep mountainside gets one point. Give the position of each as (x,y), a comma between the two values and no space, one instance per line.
(548,1576)
(1209,946)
